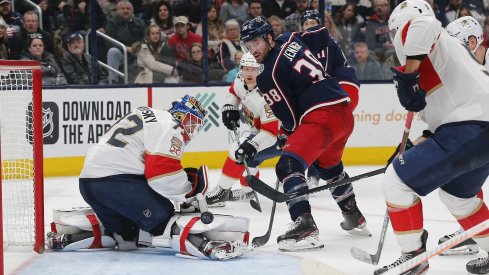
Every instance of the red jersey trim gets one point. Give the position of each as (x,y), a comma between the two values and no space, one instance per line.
(157,166)
(271,127)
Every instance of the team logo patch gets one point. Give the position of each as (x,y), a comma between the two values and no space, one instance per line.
(249,117)
(176,146)
(268,111)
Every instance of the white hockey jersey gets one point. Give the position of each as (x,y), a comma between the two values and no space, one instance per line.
(145,142)
(258,115)
(457,85)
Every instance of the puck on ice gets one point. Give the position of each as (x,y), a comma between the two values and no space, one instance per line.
(207,217)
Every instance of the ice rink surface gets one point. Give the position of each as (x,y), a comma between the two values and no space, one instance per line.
(63,192)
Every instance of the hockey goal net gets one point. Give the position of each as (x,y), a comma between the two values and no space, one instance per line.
(21,143)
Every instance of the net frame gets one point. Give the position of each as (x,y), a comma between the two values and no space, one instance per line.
(37,157)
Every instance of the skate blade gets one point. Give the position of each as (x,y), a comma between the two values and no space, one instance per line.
(305,244)
(217,204)
(364,232)
(463,250)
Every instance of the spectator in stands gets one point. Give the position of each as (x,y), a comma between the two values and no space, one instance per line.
(331,26)
(376,30)
(215,31)
(153,69)
(293,21)
(455,6)
(439,15)
(109,8)
(77,65)
(464,11)
(231,75)
(51,72)
(234,9)
(183,38)
(255,9)
(486,32)
(347,23)
(278,25)
(314,5)
(191,70)
(127,29)
(12,19)
(279,8)
(366,67)
(230,44)
(163,17)
(31,30)
(75,16)
(49,14)
(3,40)
(189,9)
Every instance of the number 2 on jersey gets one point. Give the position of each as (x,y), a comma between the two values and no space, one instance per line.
(126,131)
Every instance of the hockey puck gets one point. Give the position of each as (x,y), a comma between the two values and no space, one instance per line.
(206,217)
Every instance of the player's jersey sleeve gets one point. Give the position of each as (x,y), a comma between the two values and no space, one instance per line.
(316,38)
(419,36)
(232,97)
(164,148)
(266,123)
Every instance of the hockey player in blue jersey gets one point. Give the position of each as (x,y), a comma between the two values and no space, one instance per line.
(334,62)
(316,124)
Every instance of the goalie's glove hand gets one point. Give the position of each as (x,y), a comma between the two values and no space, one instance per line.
(409,145)
(190,206)
(410,94)
(282,137)
(247,151)
(230,116)
(198,180)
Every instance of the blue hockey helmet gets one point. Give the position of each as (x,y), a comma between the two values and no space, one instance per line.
(190,113)
(254,28)
(310,15)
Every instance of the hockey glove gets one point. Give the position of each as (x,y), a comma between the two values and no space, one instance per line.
(411,96)
(230,116)
(247,151)
(198,179)
(282,137)
(409,145)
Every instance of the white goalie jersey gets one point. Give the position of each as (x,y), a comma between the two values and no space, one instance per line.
(444,73)
(258,115)
(144,142)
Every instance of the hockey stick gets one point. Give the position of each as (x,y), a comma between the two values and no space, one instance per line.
(262,240)
(254,203)
(440,248)
(275,195)
(362,255)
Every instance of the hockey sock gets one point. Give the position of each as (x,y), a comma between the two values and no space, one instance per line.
(231,172)
(408,225)
(479,215)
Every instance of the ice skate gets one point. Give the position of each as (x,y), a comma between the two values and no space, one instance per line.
(302,234)
(56,241)
(240,195)
(217,197)
(354,222)
(417,270)
(467,247)
(224,250)
(479,266)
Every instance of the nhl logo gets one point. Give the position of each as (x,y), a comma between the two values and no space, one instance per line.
(147,213)
(47,122)
(50,123)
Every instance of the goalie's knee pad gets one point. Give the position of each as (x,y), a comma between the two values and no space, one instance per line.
(77,228)
(188,234)
(396,192)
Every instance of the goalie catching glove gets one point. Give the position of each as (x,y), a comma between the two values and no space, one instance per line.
(199,181)
(411,96)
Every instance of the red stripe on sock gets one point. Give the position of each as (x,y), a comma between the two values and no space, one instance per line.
(407,219)
(479,216)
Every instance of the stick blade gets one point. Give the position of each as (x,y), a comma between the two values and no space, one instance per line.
(363,256)
(255,205)
(260,241)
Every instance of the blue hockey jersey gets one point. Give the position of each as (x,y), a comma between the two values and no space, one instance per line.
(294,82)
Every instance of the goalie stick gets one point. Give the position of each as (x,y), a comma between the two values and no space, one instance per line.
(439,249)
(275,195)
(254,203)
(362,255)
(262,240)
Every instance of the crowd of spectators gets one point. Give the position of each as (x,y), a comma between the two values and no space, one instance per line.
(164,42)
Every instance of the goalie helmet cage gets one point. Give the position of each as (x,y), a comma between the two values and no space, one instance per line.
(21,156)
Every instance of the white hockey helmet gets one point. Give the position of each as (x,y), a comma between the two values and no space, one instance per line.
(465,27)
(248,60)
(406,11)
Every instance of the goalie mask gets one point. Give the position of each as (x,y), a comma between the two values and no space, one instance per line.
(406,11)
(465,27)
(190,113)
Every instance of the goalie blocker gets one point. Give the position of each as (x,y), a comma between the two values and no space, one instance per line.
(224,238)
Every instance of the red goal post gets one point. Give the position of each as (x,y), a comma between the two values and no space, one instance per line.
(21,156)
